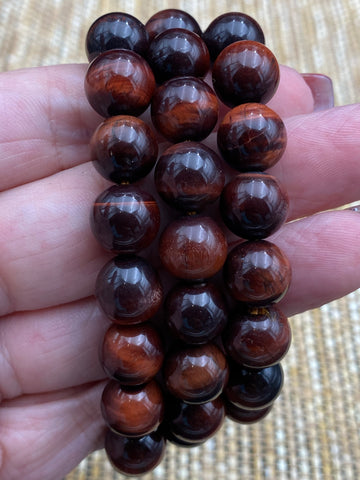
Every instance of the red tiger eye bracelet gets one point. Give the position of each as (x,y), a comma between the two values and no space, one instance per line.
(195,335)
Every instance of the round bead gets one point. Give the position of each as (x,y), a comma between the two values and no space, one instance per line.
(254,205)
(132,355)
(254,389)
(245,71)
(189,176)
(241,415)
(128,290)
(229,28)
(178,52)
(251,137)
(116,30)
(132,411)
(257,273)
(184,108)
(196,374)
(193,247)
(119,82)
(134,456)
(125,219)
(171,18)
(258,337)
(196,313)
(124,149)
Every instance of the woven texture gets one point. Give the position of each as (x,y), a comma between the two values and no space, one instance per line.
(313,431)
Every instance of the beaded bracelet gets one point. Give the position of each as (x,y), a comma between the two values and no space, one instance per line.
(196,334)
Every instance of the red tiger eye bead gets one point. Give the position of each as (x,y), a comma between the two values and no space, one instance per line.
(119,82)
(251,137)
(171,18)
(193,247)
(245,71)
(258,272)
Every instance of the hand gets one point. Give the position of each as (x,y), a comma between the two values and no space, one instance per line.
(51,328)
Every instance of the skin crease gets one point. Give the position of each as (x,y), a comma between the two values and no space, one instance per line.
(49,422)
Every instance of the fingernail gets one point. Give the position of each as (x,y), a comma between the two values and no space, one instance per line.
(321,87)
(354,208)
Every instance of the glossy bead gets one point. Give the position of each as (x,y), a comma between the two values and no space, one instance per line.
(193,247)
(178,52)
(116,30)
(119,82)
(254,205)
(132,411)
(196,313)
(254,389)
(189,176)
(258,273)
(125,219)
(184,108)
(171,18)
(196,374)
(134,456)
(128,290)
(123,149)
(229,28)
(257,337)
(132,355)
(251,137)
(245,71)
(241,415)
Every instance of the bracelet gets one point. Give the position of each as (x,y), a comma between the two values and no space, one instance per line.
(196,335)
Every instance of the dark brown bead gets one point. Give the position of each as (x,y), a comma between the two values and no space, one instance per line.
(134,456)
(171,18)
(116,30)
(254,389)
(245,71)
(119,82)
(132,411)
(125,219)
(257,337)
(193,247)
(132,355)
(196,313)
(254,205)
(189,176)
(128,290)
(123,149)
(241,415)
(258,273)
(178,52)
(229,28)
(196,374)
(252,137)
(184,108)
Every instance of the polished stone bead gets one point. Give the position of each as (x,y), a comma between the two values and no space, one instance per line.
(254,389)
(229,28)
(193,247)
(196,313)
(257,337)
(125,219)
(178,52)
(132,411)
(244,416)
(134,456)
(245,71)
(189,176)
(252,137)
(254,205)
(119,82)
(196,374)
(123,149)
(184,108)
(258,273)
(133,354)
(171,18)
(116,30)
(128,290)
